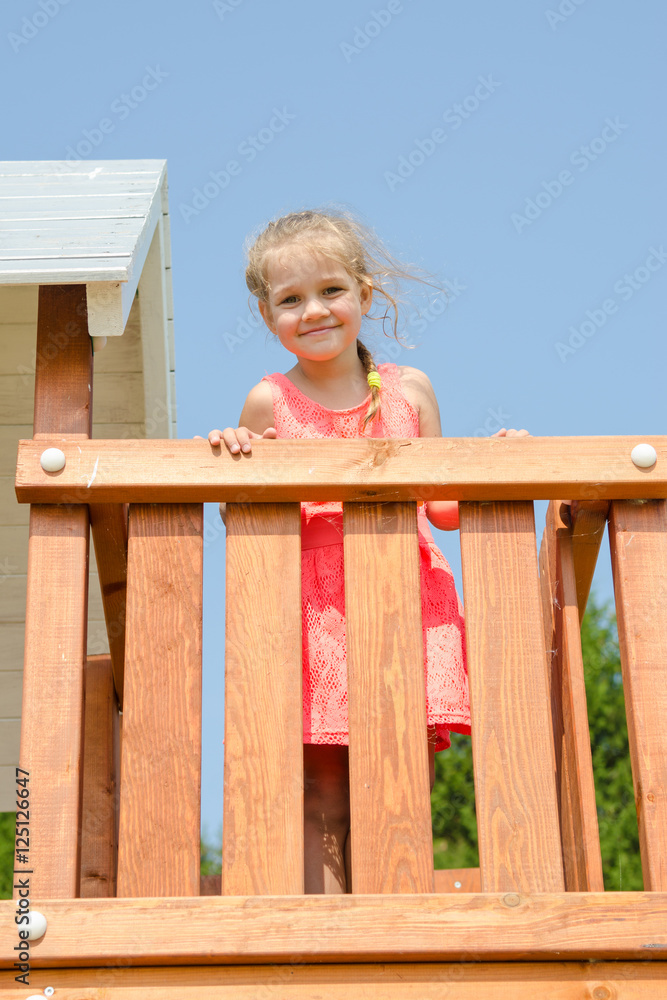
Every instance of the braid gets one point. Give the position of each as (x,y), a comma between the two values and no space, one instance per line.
(366,359)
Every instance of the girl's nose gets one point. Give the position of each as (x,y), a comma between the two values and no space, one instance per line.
(314,307)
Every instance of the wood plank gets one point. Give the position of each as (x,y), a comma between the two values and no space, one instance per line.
(457,880)
(638,539)
(513,754)
(11,513)
(293,980)
(158,848)
(589,519)
(11,683)
(12,642)
(55,636)
(569,713)
(390,802)
(262,846)
(98,825)
(108,523)
(242,930)
(371,469)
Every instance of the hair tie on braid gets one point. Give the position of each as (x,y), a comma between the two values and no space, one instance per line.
(373,379)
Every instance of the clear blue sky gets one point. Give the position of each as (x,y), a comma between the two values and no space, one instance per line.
(531,139)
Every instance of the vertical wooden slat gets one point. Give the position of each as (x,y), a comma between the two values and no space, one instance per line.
(574,766)
(589,519)
(98,813)
(56,606)
(638,539)
(513,754)
(108,523)
(158,849)
(262,832)
(391,839)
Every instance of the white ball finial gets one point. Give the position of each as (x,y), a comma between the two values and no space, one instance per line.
(36,925)
(52,460)
(644,456)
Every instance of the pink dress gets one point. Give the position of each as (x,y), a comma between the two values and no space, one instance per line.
(325,718)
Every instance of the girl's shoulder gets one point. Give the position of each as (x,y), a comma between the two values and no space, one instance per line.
(416,386)
(257,413)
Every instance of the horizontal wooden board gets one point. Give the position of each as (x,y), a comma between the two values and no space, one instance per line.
(10,435)
(44,168)
(389,981)
(11,688)
(10,731)
(325,928)
(358,469)
(13,597)
(11,512)
(12,643)
(64,270)
(13,551)
(17,348)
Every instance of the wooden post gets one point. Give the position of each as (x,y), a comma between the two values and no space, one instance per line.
(100,780)
(569,713)
(56,607)
(159,830)
(262,832)
(513,754)
(108,523)
(638,539)
(390,803)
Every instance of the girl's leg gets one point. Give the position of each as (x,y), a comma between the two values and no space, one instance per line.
(431,754)
(326,817)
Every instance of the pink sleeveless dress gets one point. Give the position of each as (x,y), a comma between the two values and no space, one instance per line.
(325,718)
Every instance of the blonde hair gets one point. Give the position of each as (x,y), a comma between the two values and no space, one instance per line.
(341,237)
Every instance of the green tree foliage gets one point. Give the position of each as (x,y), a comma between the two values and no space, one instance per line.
(452,800)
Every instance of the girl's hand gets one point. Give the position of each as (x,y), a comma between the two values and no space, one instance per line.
(239,439)
(503,432)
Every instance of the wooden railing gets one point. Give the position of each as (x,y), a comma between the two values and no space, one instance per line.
(537,823)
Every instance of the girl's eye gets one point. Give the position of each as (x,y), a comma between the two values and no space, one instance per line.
(332,288)
(288,300)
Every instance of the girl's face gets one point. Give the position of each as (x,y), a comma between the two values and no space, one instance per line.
(314,305)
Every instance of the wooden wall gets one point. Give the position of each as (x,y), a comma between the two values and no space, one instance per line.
(119,412)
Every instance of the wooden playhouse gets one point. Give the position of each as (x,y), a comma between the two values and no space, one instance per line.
(110,746)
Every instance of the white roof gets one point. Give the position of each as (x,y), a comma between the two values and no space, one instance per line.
(85,222)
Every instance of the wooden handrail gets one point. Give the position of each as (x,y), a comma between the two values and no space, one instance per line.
(371,469)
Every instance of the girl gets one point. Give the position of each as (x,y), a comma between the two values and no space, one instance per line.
(315,276)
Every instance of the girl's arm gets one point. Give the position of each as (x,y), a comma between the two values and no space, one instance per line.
(443,514)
